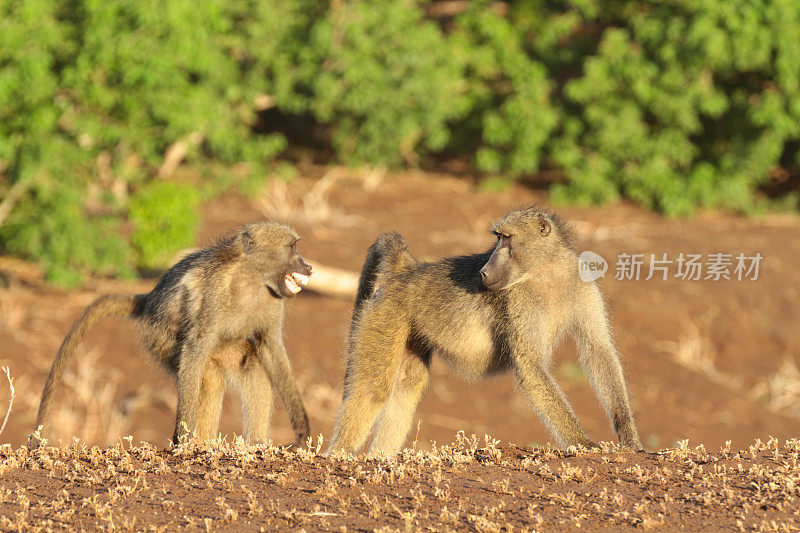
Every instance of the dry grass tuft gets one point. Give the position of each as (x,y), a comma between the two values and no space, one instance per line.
(696,352)
(88,403)
(313,207)
(781,392)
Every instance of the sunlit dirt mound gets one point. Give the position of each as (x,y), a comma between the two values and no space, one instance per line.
(469,484)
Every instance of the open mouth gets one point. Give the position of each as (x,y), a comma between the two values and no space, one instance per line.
(295,282)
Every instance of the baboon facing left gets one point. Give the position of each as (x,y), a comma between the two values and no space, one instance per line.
(216,316)
(502,310)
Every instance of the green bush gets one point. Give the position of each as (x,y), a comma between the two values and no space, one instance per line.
(673,104)
(51,225)
(386,80)
(682,104)
(511,117)
(164,216)
(83,82)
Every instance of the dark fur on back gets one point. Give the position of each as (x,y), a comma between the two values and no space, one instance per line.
(209,259)
(464,271)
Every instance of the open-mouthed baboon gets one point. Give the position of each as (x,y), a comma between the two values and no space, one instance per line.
(505,309)
(215,316)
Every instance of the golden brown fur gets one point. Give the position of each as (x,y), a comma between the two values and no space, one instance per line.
(214,317)
(502,310)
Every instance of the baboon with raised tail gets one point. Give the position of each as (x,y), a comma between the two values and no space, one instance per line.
(498,311)
(216,316)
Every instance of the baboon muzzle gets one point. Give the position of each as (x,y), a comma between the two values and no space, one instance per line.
(494,273)
(488,280)
(302,267)
(298,276)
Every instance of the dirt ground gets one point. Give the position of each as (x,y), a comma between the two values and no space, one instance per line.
(469,485)
(708,361)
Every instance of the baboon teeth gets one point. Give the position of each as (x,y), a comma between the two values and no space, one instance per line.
(300,278)
(291,284)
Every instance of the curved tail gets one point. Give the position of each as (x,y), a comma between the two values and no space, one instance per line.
(389,253)
(105,306)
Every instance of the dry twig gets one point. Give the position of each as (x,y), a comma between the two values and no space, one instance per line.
(7,371)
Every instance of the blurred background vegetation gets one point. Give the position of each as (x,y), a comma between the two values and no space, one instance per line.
(674,104)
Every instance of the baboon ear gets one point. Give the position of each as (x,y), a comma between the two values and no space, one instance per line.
(545,227)
(248,242)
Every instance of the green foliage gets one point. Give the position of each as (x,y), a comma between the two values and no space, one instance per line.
(674,104)
(85,84)
(510,93)
(53,229)
(164,217)
(678,104)
(387,81)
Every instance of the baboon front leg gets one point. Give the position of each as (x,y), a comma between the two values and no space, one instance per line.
(272,355)
(256,394)
(209,403)
(601,362)
(376,346)
(396,417)
(550,404)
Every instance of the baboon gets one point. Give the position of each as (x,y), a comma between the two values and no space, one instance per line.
(215,316)
(501,310)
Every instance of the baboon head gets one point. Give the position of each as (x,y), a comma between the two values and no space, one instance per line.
(271,249)
(527,239)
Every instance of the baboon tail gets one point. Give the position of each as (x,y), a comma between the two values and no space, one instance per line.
(389,253)
(106,306)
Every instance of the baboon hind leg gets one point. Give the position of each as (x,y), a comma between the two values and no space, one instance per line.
(375,353)
(192,362)
(396,417)
(255,391)
(209,403)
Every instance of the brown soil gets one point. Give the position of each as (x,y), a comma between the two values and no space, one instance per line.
(479,486)
(707,361)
